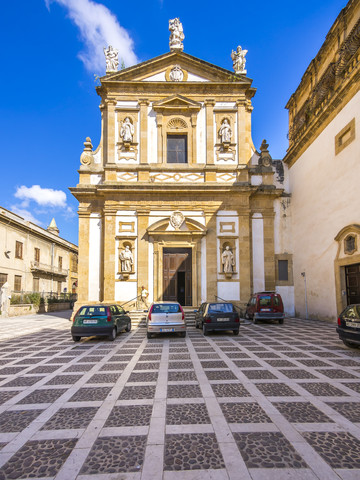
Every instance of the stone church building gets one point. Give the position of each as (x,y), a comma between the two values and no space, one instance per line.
(176,197)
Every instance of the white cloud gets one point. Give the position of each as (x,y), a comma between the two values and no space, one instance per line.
(98,29)
(42,196)
(25,214)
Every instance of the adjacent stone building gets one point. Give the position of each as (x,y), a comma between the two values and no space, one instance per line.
(34,259)
(176,197)
(324,169)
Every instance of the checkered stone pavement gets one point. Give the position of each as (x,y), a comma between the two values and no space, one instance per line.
(275,402)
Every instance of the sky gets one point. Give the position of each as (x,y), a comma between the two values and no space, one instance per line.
(52,53)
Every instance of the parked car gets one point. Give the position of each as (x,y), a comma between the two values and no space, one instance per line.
(165,317)
(349,325)
(105,320)
(265,306)
(217,316)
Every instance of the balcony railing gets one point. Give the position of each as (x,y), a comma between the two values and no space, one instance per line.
(45,268)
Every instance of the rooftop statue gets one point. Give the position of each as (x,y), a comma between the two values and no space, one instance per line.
(112,60)
(176,36)
(239,60)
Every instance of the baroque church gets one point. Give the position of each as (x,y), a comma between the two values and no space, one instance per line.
(176,197)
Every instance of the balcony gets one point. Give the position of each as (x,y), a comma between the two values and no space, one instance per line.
(48,269)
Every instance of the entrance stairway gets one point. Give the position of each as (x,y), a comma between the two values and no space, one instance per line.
(138,318)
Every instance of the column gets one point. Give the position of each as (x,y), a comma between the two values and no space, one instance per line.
(241,134)
(83,262)
(269,251)
(160,155)
(211,255)
(143,130)
(193,158)
(244,256)
(107,289)
(143,249)
(209,104)
(109,139)
(258,252)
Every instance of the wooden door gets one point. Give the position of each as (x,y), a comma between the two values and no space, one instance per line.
(352,273)
(177,274)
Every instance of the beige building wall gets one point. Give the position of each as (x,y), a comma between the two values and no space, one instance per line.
(325,199)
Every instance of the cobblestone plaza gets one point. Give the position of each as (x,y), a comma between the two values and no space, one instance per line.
(275,402)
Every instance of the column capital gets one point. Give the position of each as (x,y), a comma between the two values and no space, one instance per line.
(210,102)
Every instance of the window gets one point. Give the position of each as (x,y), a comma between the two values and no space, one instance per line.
(37,255)
(36,284)
(59,288)
(18,250)
(176,149)
(350,244)
(60,263)
(345,136)
(3,279)
(17,283)
(283,270)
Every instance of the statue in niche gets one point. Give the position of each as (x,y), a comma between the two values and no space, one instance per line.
(227,260)
(238,59)
(225,131)
(177,34)
(126,259)
(127,130)
(112,60)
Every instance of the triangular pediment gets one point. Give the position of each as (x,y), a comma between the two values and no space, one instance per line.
(176,101)
(158,70)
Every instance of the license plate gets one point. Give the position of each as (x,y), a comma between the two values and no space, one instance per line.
(353,324)
(166,329)
(223,319)
(92,322)
(265,310)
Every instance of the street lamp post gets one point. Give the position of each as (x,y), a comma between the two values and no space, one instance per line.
(306,307)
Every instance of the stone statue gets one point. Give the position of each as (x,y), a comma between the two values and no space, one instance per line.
(127,260)
(112,60)
(176,36)
(238,59)
(225,131)
(127,130)
(227,259)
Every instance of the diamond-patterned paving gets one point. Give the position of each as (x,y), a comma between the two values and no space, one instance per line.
(280,398)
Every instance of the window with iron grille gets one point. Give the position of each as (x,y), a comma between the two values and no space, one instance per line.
(3,279)
(37,255)
(60,263)
(17,283)
(36,284)
(283,270)
(18,250)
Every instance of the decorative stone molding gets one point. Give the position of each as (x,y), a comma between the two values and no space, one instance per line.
(86,158)
(177,219)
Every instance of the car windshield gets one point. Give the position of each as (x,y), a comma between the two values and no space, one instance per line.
(166,308)
(220,308)
(92,311)
(265,300)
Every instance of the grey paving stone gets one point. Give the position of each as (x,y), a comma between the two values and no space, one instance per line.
(276,390)
(259,374)
(138,392)
(104,378)
(186,414)
(350,410)
(42,458)
(79,367)
(353,385)
(249,412)
(64,380)
(129,415)
(7,395)
(23,381)
(301,412)
(229,390)
(70,418)
(268,450)
(192,452)
(185,375)
(247,364)
(147,366)
(90,394)
(213,364)
(42,396)
(323,389)
(17,420)
(297,374)
(338,449)
(336,373)
(183,391)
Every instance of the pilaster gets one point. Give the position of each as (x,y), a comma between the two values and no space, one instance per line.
(108,291)
(109,131)
(144,130)
(269,251)
(209,105)
(83,262)
(244,256)
(211,255)
(143,248)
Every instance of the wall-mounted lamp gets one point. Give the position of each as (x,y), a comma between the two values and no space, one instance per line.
(7,253)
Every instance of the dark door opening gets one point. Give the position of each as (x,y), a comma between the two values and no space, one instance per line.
(177,274)
(352,273)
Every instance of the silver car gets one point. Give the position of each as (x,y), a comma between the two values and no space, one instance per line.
(165,317)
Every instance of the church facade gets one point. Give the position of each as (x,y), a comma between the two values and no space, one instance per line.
(176,197)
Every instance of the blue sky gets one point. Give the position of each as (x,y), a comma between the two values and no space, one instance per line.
(51,51)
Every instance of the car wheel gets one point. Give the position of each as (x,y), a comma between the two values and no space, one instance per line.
(128,328)
(247,316)
(349,344)
(236,332)
(196,325)
(183,334)
(281,321)
(204,329)
(254,319)
(148,335)
(76,339)
(112,335)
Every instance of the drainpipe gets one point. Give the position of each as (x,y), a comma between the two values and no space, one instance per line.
(306,307)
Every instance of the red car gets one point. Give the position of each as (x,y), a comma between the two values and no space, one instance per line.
(265,306)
